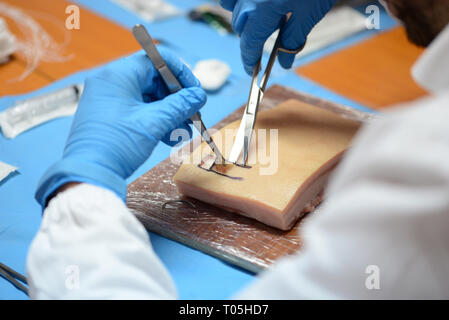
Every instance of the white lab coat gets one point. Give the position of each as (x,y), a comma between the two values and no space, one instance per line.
(384,232)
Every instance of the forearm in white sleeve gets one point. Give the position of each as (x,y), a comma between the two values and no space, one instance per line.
(90,246)
(384,232)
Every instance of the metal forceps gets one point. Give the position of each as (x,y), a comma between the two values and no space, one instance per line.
(16,279)
(143,37)
(244,134)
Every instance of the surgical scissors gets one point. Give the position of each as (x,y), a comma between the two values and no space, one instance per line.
(256,93)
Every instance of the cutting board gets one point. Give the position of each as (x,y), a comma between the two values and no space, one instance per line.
(228,236)
(98,41)
(375,73)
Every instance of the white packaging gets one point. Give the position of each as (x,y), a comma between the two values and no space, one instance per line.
(338,24)
(35,111)
(150,10)
(7,42)
(6,170)
(212,74)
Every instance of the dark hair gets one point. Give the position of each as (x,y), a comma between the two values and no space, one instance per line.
(423,20)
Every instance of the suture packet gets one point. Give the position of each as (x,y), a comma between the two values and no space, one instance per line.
(35,111)
(6,170)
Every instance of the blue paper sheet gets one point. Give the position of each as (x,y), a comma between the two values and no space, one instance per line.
(196,275)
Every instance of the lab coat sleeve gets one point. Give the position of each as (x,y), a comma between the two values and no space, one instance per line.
(90,246)
(384,231)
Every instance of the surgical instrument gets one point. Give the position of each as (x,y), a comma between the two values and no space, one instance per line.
(143,37)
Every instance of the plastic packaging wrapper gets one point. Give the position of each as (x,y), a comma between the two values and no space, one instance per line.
(7,42)
(34,44)
(6,170)
(338,24)
(155,201)
(35,111)
(150,10)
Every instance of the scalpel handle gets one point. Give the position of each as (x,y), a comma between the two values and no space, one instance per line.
(146,42)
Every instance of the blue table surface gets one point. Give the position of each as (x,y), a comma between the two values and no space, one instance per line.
(196,275)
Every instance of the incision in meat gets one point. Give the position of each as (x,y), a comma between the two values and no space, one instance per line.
(289,164)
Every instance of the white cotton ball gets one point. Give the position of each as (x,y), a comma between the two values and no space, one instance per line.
(7,42)
(212,74)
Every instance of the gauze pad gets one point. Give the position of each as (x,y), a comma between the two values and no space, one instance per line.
(5,170)
(35,111)
(212,74)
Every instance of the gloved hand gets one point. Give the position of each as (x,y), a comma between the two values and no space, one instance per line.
(122,114)
(256,20)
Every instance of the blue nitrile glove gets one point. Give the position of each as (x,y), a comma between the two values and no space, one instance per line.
(124,111)
(256,20)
